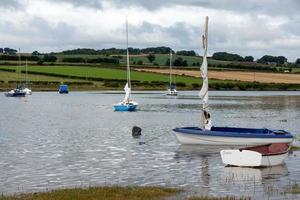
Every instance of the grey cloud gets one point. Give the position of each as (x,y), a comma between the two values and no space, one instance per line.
(97,4)
(40,34)
(10,4)
(178,35)
(269,7)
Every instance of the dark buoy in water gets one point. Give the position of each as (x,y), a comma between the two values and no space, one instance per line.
(136,131)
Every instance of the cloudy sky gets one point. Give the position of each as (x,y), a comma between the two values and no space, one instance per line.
(252,27)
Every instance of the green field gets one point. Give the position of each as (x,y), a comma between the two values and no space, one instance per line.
(161,60)
(104,73)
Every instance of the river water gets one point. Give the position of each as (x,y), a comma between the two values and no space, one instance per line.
(49,141)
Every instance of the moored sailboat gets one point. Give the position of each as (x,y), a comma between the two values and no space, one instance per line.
(127,104)
(171,87)
(211,135)
(18,91)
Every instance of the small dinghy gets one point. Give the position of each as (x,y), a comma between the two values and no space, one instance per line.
(63,89)
(257,156)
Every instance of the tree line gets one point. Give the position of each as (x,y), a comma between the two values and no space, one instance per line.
(132,51)
(266,59)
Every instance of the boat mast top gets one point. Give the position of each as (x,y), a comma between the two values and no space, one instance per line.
(205,37)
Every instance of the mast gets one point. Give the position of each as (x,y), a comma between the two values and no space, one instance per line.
(127,59)
(26,76)
(170,70)
(205,116)
(19,70)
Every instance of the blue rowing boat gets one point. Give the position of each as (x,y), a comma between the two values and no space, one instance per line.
(231,136)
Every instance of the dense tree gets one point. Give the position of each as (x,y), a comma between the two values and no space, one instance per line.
(281,60)
(180,62)
(267,59)
(35,53)
(298,61)
(114,51)
(49,58)
(80,51)
(186,53)
(9,51)
(151,57)
(227,56)
(248,59)
(1,50)
(157,50)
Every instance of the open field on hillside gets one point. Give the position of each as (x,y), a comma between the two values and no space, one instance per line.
(236,75)
(104,73)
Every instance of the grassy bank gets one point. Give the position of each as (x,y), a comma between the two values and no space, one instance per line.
(97,193)
(111,193)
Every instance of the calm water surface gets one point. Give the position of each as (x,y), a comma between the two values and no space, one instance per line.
(52,141)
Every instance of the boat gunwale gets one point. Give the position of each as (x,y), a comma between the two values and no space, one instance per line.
(199,131)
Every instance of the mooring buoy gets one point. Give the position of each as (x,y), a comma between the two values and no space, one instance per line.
(136,131)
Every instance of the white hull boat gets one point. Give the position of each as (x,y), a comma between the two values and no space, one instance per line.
(259,156)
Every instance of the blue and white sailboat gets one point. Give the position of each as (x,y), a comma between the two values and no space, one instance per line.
(127,104)
(211,135)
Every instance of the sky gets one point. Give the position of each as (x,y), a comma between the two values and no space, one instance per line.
(252,27)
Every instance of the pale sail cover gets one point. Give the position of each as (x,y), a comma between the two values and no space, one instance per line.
(205,118)
(127,93)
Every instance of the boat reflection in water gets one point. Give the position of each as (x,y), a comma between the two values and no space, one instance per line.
(210,175)
(238,174)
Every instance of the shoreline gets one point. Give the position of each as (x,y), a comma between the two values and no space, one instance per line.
(116,193)
(121,90)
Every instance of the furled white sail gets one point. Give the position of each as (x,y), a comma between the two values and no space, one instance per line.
(205,118)
(127,93)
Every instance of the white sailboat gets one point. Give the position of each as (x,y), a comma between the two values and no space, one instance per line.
(127,104)
(18,91)
(26,85)
(171,88)
(211,135)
